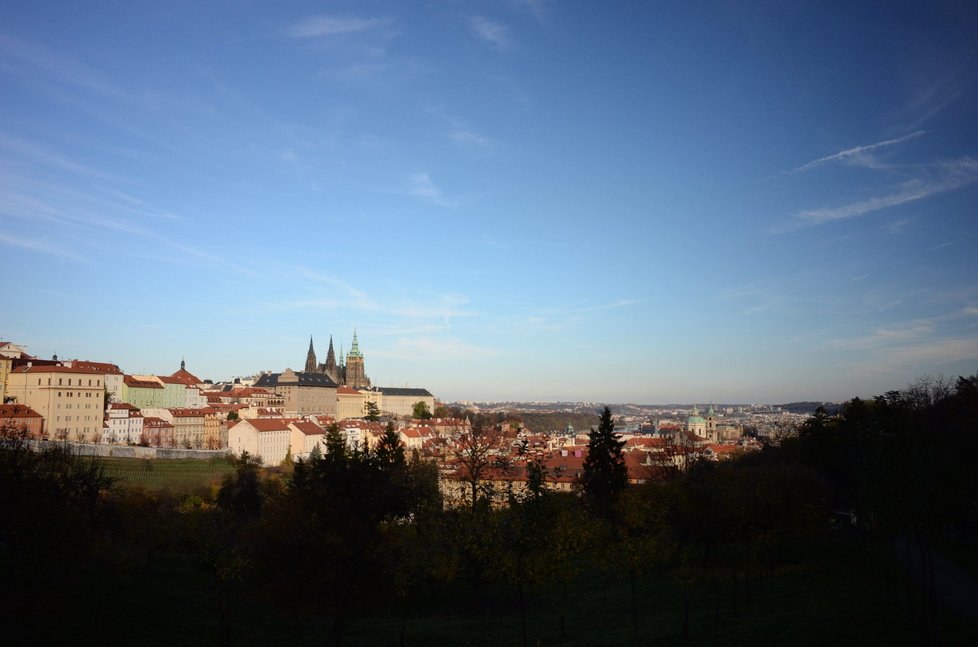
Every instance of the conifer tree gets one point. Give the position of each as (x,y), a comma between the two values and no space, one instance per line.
(605,474)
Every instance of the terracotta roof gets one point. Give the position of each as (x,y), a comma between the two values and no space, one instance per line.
(150,421)
(130,381)
(18,411)
(186,377)
(268,424)
(347,390)
(102,367)
(56,369)
(308,428)
(187,413)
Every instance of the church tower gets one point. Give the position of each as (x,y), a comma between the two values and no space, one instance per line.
(310,358)
(356,376)
(331,371)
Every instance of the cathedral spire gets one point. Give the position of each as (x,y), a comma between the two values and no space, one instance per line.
(330,356)
(355,350)
(311,358)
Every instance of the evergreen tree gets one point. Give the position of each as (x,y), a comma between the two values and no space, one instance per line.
(605,474)
(390,451)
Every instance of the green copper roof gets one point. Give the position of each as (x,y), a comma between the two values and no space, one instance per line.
(355,350)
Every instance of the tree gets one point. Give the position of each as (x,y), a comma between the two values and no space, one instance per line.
(241,493)
(390,451)
(421,411)
(233,415)
(372,411)
(605,474)
(473,451)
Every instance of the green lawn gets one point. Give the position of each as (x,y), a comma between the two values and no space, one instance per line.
(180,475)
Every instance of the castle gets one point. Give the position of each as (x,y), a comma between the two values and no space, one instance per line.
(351,373)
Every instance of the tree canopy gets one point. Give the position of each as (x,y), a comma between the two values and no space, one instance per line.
(605,474)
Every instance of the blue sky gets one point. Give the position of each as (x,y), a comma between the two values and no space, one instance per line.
(614,202)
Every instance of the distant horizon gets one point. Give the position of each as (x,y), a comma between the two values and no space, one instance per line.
(526,199)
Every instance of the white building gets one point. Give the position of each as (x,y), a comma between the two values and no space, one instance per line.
(267,438)
(123,424)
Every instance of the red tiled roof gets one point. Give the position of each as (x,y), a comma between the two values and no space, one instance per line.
(56,369)
(308,428)
(184,376)
(141,384)
(187,413)
(17,411)
(160,423)
(268,424)
(102,367)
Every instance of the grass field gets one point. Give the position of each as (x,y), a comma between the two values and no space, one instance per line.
(180,475)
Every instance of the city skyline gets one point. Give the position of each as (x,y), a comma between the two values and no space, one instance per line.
(521,200)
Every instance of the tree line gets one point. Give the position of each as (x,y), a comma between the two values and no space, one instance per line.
(355,531)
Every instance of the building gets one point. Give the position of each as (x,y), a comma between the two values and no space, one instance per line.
(142,394)
(111,373)
(266,438)
(123,424)
(157,432)
(352,373)
(18,417)
(304,393)
(69,399)
(8,353)
(304,436)
(349,403)
(400,401)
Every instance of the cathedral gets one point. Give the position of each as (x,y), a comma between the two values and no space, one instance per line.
(346,373)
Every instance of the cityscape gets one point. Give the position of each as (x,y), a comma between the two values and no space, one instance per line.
(510,322)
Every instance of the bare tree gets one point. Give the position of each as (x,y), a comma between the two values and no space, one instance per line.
(474,452)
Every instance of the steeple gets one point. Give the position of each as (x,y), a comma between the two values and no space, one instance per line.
(355,350)
(311,358)
(183,365)
(330,358)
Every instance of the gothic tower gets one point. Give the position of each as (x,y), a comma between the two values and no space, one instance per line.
(310,358)
(355,374)
(331,363)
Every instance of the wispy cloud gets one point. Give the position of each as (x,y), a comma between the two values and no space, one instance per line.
(936,247)
(43,247)
(434,349)
(898,226)
(942,90)
(494,33)
(939,178)
(325,25)
(61,67)
(422,186)
(858,155)
(40,154)
(538,8)
(885,337)
(583,308)
(461,133)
